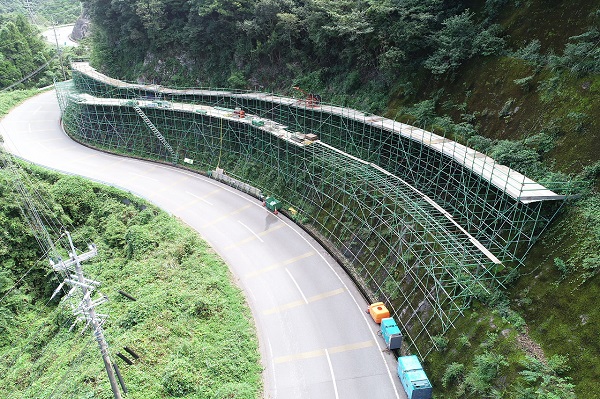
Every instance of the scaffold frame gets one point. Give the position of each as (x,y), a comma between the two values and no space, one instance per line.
(421,222)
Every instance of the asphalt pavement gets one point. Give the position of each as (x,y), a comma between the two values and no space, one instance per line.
(316,340)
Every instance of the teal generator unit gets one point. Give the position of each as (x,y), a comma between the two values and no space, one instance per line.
(391,333)
(413,378)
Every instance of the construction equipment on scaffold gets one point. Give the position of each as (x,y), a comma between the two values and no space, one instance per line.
(310,99)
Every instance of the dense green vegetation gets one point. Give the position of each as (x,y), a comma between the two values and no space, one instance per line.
(517,79)
(26,59)
(22,53)
(271,43)
(12,98)
(187,315)
(45,12)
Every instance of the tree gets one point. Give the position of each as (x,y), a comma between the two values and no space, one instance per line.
(454,43)
(22,51)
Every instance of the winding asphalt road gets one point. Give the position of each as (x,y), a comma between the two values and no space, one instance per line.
(315,339)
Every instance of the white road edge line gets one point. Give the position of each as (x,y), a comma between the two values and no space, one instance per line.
(200,198)
(250,230)
(245,196)
(332,374)
(360,310)
(392,380)
(274,387)
(297,286)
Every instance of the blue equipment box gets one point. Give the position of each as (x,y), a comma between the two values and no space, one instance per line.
(413,378)
(391,333)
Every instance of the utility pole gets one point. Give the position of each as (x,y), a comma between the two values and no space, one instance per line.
(58,49)
(29,8)
(85,311)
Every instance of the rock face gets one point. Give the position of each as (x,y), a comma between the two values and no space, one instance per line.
(82,26)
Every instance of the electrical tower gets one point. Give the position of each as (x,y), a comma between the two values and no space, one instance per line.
(29,8)
(85,311)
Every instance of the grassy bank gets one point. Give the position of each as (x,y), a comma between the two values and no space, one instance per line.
(190,324)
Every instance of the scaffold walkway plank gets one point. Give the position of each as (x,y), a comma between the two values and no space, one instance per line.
(515,184)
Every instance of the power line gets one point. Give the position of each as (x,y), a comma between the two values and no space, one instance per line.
(79,359)
(32,74)
(70,269)
(29,8)
(34,336)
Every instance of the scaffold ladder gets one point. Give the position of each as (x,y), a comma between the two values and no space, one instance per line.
(156,132)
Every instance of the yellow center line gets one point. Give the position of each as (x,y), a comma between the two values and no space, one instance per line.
(253,237)
(272,229)
(49,140)
(219,219)
(321,352)
(281,308)
(325,295)
(351,347)
(88,156)
(175,183)
(298,303)
(280,264)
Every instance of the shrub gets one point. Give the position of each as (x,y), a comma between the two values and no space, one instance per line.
(454,372)
(139,241)
(487,367)
(525,83)
(133,317)
(179,378)
(579,121)
(115,230)
(516,155)
(591,267)
(234,390)
(440,342)
(237,80)
(488,41)
(480,143)
(76,197)
(541,142)
(454,43)
(531,53)
(544,380)
(582,56)
(562,266)
(423,112)
(463,340)
(591,172)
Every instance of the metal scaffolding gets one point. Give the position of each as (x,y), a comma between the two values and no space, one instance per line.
(422,223)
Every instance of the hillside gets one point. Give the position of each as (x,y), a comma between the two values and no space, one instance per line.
(518,80)
(179,335)
(26,59)
(142,251)
(44,12)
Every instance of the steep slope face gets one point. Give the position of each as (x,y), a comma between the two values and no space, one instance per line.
(270,42)
(546,81)
(518,80)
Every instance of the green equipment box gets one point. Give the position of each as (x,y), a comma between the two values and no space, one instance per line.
(272,204)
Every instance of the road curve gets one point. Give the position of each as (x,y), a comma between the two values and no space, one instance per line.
(315,339)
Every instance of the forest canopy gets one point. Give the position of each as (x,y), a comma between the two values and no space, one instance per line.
(330,36)
(22,51)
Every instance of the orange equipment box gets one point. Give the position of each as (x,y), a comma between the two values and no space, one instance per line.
(378,311)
